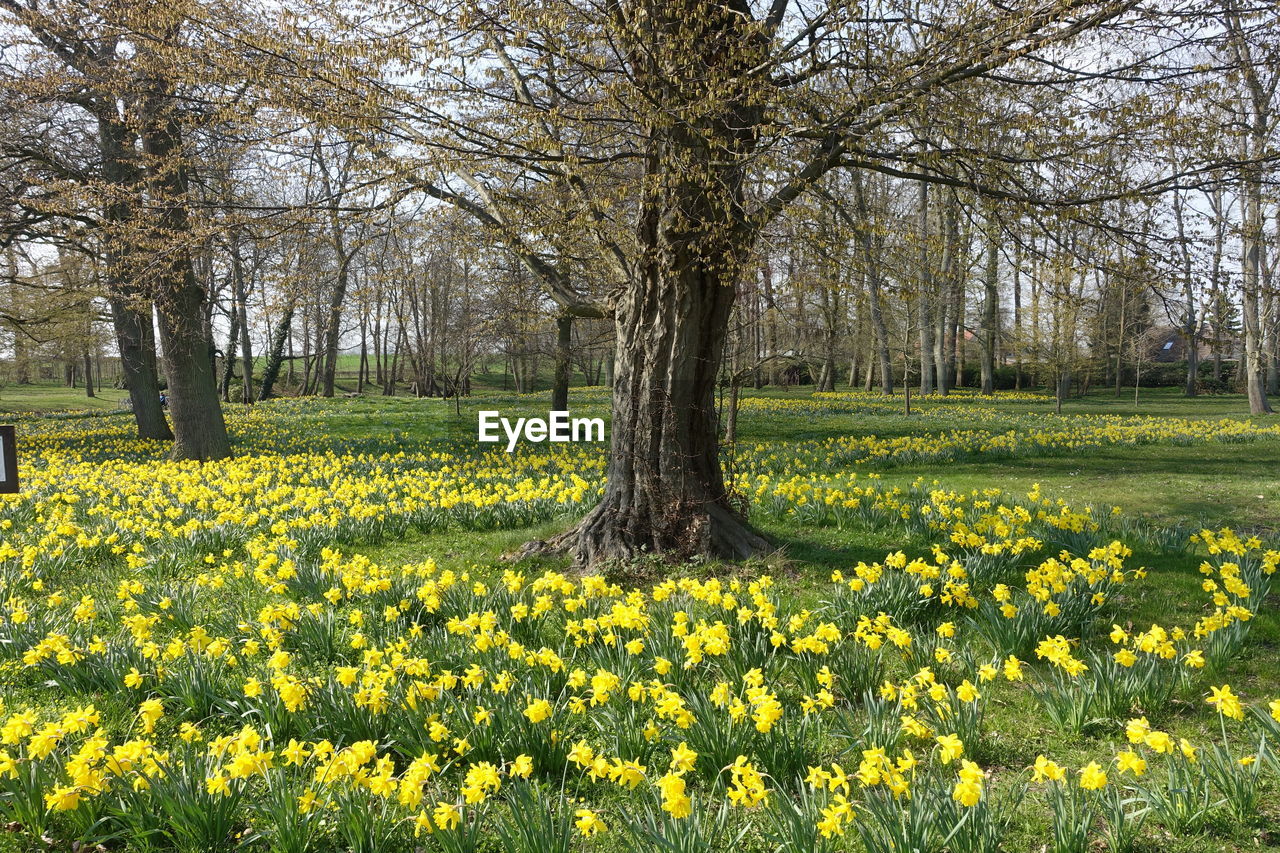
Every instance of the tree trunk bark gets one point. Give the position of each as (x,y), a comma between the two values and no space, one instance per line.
(88,374)
(200,432)
(228,353)
(1191,385)
(665,489)
(990,307)
(871,262)
(333,322)
(130,308)
(246,356)
(944,322)
(1251,283)
(564,363)
(275,352)
(925,284)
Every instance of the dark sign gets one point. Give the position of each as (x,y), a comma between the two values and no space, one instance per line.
(8,461)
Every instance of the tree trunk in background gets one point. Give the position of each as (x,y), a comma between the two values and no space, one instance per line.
(88,374)
(564,363)
(944,344)
(333,322)
(130,309)
(771,321)
(1251,282)
(1271,335)
(228,352)
(871,264)
(362,369)
(241,287)
(199,430)
(827,377)
(1190,386)
(1017,318)
(990,307)
(1255,116)
(246,356)
(925,295)
(1216,295)
(21,363)
(275,351)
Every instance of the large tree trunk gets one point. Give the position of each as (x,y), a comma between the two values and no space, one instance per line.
(665,491)
(130,309)
(135,337)
(199,429)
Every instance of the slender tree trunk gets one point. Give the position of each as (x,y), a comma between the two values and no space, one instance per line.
(333,323)
(827,378)
(246,356)
(925,296)
(1017,319)
(1216,295)
(88,374)
(871,264)
(946,308)
(362,370)
(771,320)
(990,306)
(280,336)
(21,362)
(228,353)
(1124,301)
(564,363)
(1251,284)
(1190,320)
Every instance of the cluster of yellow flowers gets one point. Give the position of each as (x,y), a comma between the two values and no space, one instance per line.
(207,650)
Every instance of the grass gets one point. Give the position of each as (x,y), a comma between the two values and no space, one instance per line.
(56,397)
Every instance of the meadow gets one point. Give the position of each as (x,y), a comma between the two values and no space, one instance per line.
(987,626)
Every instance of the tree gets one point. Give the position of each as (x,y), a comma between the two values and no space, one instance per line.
(691,114)
(128,68)
(1254,65)
(71,63)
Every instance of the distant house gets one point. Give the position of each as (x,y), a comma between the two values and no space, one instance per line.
(1168,344)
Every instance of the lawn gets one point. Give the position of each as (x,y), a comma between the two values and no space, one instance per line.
(323,644)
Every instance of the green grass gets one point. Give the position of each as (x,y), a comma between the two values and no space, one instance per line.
(56,397)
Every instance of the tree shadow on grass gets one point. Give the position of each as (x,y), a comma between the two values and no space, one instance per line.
(828,548)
